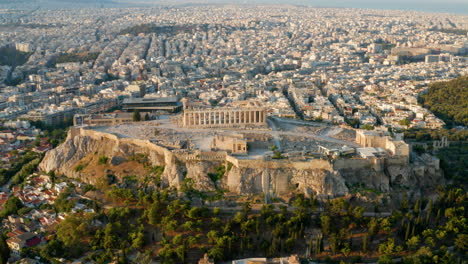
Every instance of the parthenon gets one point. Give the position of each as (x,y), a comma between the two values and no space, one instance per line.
(224,117)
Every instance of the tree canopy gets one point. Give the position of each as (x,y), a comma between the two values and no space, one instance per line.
(449,100)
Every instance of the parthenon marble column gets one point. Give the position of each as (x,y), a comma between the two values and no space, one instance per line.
(223,117)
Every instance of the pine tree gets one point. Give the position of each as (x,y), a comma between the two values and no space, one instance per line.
(4,251)
(437,217)
(404,204)
(257,226)
(317,245)
(429,211)
(364,243)
(402,227)
(136,115)
(408,228)
(310,247)
(416,206)
(419,219)
(334,243)
(321,243)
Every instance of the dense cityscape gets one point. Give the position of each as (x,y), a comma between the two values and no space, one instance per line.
(233,134)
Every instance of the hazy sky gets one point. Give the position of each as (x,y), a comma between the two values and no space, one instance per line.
(456,6)
(451,6)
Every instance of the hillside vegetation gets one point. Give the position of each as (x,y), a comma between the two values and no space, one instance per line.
(449,100)
(77,57)
(160,224)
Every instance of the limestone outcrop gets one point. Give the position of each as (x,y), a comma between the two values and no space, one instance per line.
(82,143)
(288,176)
(319,177)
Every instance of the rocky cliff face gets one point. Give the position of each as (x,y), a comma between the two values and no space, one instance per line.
(66,156)
(366,177)
(78,149)
(320,178)
(277,181)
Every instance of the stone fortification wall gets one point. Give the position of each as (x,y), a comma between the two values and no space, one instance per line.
(280,163)
(143,144)
(376,164)
(397,161)
(377,139)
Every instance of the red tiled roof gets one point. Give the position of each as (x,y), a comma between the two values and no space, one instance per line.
(33,241)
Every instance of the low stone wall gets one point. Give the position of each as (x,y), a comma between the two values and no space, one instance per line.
(354,163)
(144,144)
(397,161)
(211,156)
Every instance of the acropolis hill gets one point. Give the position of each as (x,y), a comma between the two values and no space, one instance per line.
(281,156)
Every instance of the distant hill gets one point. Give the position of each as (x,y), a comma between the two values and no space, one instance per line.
(448,100)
